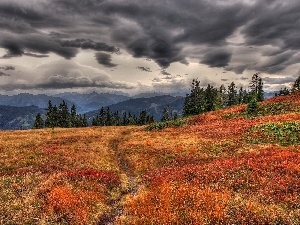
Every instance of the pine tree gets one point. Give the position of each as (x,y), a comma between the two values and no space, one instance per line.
(209,98)
(165,115)
(256,87)
(260,91)
(175,116)
(51,116)
(232,95)
(39,122)
(84,121)
(63,115)
(296,85)
(194,102)
(108,119)
(142,120)
(252,107)
(74,119)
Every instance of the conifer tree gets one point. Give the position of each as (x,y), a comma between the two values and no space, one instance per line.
(39,122)
(194,102)
(252,107)
(232,95)
(209,98)
(165,115)
(51,115)
(256,87)
(142,120)
(296,85)
(63,115)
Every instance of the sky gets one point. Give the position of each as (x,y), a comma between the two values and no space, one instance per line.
(134,46)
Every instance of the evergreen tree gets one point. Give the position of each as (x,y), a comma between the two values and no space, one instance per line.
(283,92)
(245,98)
(252,107)
(220,98)
(52,116)
(296,85)
(102,117)
(260,91)
(74,119)
(84,121)
(165,115)
(142,120)
(175,116)
(194,102)
(39,122)
(232,95)
(209,98)
(108,120)
(124,119)
(63,115)
(256,87)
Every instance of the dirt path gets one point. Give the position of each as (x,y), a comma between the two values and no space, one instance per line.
(126,168)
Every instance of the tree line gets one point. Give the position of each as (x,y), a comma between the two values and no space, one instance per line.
(60,117)
(108,118)
(295,88)
(198,101)
(201,100)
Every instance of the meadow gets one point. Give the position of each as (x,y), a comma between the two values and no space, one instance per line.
(221,167)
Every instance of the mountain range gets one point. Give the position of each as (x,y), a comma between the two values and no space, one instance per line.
(19,111)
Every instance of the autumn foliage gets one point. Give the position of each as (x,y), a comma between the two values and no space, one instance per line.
(221,167)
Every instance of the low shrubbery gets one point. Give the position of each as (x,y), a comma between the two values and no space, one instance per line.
(283,133)
(170,123)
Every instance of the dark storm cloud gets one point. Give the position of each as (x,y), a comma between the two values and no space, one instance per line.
(89,44)
(32,44)
(146,69)
(165,31)
(104,59)
(275,23)
(216,59)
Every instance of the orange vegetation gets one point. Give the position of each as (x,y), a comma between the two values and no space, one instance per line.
(205,172)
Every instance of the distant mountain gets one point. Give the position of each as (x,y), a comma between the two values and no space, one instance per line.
(94,100)
(153,105)
(12,118)
(154,94)
(40,100)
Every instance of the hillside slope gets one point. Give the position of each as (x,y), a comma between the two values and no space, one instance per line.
(153,105)
(222,167)
(13,118)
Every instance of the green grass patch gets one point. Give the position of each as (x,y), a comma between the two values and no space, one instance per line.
(276,108)
(170,123)
(282,133)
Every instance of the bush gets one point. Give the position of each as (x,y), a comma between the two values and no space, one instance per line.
(283,133)
(170,123)
(252,107)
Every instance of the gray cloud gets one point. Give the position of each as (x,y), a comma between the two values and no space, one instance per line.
(166,31)
(5,68)
(163,72)
(217,59)
(32,44)
(146,69)
(3,74)
(88,44)
(278,80)
(104,59)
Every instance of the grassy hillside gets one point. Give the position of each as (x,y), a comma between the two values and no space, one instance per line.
(222,167)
